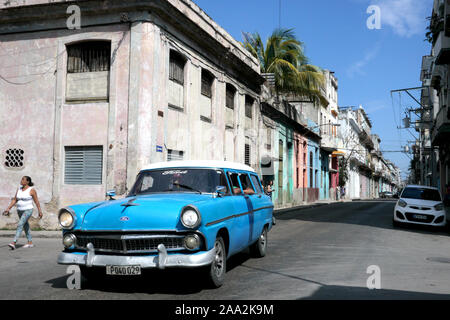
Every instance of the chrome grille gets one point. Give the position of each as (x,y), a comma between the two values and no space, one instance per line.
(130,243)
(101,243)
(152,244)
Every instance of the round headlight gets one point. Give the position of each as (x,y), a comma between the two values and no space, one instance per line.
(66,219)
(69,240)
(192,242)
(190,218)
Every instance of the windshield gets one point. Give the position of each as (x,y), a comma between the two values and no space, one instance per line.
(421,193)
(179,180)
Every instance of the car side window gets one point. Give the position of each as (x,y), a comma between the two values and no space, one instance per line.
(246,184)
(256,183)
(234,182)
(223,182)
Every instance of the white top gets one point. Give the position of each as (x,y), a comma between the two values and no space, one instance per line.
(200,164)
(24,199)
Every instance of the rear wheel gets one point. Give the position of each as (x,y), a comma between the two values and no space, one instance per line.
(216,271)
(259,248)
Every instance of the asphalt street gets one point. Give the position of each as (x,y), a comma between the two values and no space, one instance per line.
(316,253)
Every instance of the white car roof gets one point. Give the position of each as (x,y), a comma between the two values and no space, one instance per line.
(199,164)
(421,187)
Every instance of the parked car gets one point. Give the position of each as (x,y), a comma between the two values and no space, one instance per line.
(420,205)
(386,194)
(183,214)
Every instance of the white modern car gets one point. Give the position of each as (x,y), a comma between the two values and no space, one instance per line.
(420,205)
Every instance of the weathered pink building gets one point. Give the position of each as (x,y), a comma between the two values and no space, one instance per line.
(83,110)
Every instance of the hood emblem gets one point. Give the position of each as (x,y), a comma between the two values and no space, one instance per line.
(124,218)
(130,203)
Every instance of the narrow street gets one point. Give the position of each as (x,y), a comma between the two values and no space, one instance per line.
(317,253)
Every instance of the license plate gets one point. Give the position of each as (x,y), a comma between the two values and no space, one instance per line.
(420,217)
(123,270)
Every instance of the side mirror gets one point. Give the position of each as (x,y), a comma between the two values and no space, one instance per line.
(221,190)
(111,194)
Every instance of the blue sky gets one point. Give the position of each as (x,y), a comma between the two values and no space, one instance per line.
(368,63)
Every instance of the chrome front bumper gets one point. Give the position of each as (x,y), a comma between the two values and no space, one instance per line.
(160,261)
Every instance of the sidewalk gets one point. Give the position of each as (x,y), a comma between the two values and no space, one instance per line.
(34,234)
(308,206)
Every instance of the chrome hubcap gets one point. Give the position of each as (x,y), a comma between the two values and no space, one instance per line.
(218,261)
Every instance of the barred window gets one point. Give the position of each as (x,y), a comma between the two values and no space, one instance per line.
(83,165)
(14,158)
(249,107)
(176,67)
(90,56)
(247,154)
(207,81)
(230,94)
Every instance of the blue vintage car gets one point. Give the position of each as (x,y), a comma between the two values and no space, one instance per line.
(186,214)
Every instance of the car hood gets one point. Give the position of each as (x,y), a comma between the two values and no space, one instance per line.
(420,202)
(149,212)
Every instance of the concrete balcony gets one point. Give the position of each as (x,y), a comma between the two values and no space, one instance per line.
(441,129)
(442,49)
(329,142)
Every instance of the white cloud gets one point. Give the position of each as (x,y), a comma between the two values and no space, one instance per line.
(406,17)
(357,68)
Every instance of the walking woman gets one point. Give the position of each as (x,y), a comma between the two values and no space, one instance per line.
(24,198)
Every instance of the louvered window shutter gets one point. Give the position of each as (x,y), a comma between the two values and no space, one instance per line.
(83,165)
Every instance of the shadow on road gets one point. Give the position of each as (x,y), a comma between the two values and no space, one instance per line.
(169,281)
(365,213)
(357,293)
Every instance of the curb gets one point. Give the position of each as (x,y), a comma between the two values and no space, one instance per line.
(304,207)
(37,235)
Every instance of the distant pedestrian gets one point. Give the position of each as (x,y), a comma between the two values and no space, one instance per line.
(25,195)
(269,189)
(342,192)
(338,193)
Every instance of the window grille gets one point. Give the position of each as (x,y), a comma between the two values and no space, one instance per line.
(248,107)
(89,57)
(247,154)
(207,80)
(230,94)
(176,67)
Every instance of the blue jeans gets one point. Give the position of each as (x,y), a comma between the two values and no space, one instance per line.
(23,224)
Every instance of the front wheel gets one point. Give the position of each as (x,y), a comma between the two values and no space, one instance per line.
(259,248)
(216,271)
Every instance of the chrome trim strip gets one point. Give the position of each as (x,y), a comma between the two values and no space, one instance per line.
(172,261)
(237,215)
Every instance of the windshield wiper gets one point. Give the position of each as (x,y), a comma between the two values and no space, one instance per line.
(186,187)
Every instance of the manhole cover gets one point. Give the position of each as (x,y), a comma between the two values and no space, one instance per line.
(439,259)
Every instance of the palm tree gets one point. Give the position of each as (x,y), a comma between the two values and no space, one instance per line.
(283,56)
